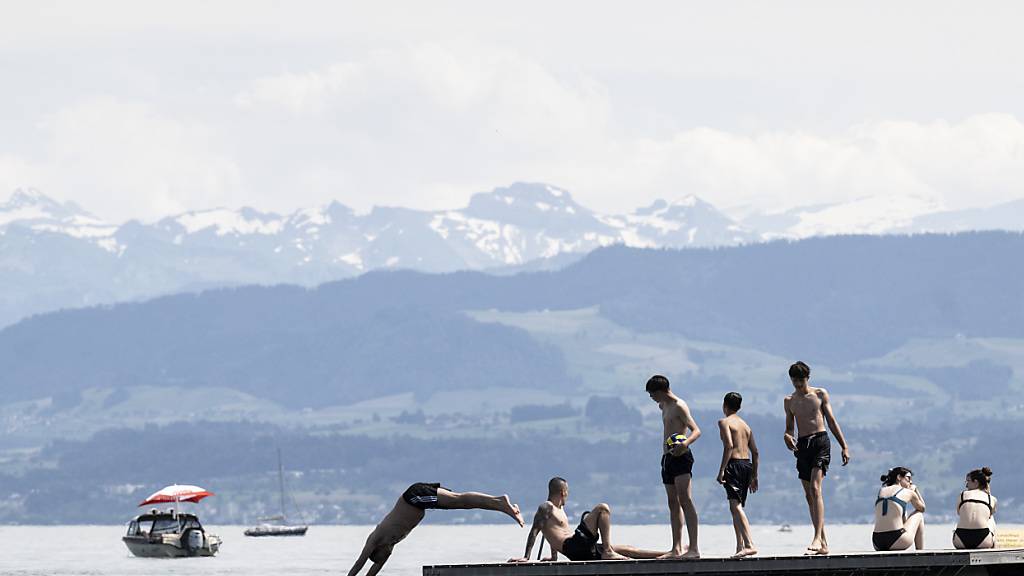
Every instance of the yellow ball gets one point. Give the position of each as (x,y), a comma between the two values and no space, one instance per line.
(675,439)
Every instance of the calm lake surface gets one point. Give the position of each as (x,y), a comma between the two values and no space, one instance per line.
(98,550)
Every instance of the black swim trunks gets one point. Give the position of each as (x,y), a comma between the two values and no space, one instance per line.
(422,495)
(672,466)
(738,474)
(813,451)
(583,544)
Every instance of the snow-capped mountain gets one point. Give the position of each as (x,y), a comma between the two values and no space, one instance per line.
(30,209)
(869,215)
(689,221)
(895,214)
(56,255)
(1005,216)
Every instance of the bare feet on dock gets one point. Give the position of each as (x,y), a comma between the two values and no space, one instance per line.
(745,552)
(609,553)
(690,554)
(671,555)
(512,510)
(823,551)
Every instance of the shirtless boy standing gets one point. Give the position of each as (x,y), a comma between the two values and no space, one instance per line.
(592,539)
(810,410)
(677,465)
(738,471)
(409,511)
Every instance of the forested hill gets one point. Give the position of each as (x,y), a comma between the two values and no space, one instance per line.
(834,299)
(918,338)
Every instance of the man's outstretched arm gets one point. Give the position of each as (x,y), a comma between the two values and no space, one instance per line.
(833,425)
(363,556)
(539,519)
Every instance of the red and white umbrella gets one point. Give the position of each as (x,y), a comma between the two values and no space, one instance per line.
(177,493)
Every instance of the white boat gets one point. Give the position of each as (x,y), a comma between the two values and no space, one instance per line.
(171,534)
(277,525)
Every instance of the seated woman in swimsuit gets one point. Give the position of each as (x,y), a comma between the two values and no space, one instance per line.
(976,507)
(894,528)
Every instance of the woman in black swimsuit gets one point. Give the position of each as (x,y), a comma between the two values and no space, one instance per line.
(976,508)
(894,528)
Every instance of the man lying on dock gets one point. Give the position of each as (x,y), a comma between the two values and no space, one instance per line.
(409,511)
(592,538)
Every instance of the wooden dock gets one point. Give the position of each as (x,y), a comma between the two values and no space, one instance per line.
(938,563)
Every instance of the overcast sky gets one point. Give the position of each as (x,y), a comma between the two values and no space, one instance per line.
(141,109)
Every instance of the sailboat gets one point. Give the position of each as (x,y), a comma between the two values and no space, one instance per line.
(277,525)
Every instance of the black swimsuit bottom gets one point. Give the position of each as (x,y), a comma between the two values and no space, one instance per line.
(972,537)
(883,541)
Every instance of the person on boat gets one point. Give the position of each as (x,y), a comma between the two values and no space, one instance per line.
(677,465)
(590,541)
(808,411)
(976,508)
(894,528)
(738,470)
(410,509)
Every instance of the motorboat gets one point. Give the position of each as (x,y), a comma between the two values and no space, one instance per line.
(170,533)
(278,525)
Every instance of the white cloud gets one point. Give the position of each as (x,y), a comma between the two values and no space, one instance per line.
(435,124)
(17,172)
(305,93)
(122,159)
(473,90)
(421,118)
(976,162)
(442,101)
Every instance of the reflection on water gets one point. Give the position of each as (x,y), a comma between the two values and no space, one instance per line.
(97,550)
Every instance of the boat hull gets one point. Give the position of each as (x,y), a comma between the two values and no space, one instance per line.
(169,547)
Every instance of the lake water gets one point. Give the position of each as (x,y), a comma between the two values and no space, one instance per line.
(98,550)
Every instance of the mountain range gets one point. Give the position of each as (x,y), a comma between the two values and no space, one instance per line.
(56,255)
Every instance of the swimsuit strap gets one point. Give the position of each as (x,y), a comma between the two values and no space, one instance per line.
(976,501)
(885,502)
